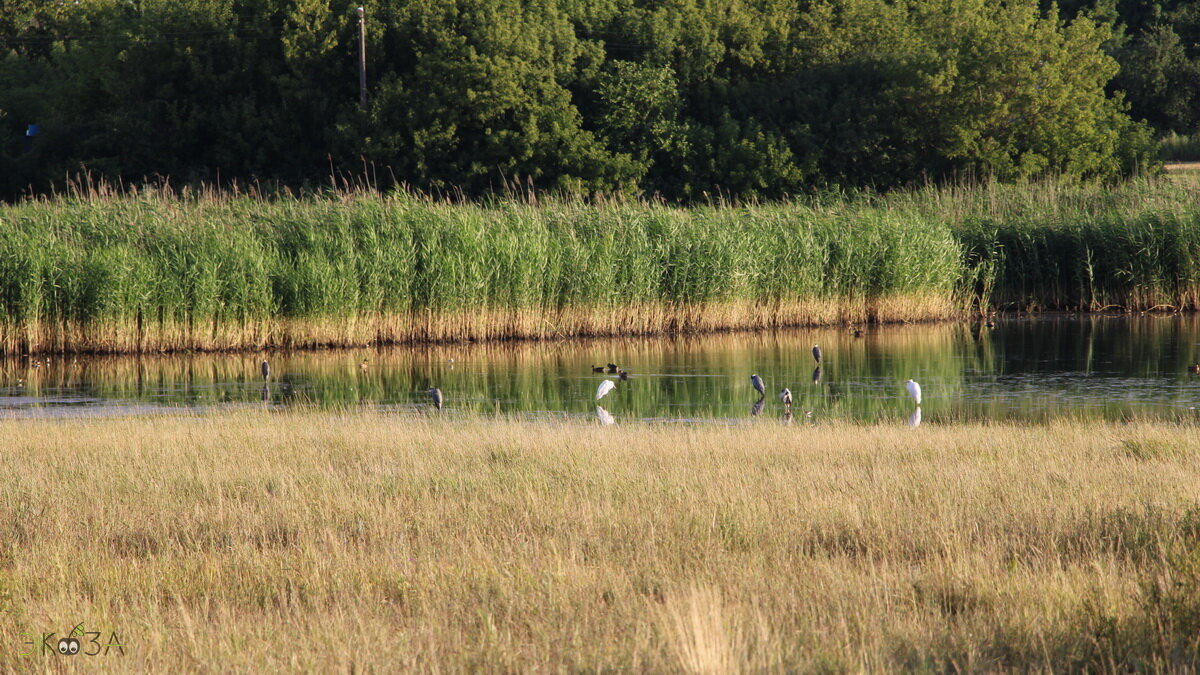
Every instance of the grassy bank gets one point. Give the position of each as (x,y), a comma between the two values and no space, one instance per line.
(309,541)
(153,271)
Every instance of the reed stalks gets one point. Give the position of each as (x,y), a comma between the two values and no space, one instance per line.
(158,270)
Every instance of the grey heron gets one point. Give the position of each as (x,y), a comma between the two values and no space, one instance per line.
(758,384)
(817,353)
(266,370)
(786,397)
(435,395)
(914,390)
(605,387)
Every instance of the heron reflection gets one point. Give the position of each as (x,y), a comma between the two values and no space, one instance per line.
(604,416)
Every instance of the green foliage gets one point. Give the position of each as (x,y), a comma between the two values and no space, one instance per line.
(155,260)
(1157,44)
(238,260)
(684,99)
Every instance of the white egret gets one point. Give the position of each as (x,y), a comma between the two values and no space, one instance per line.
(914,390)
(605,387)
(758,384)
(817,353)
(786,397)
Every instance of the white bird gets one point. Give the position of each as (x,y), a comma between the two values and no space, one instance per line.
(758,384)
(605,387)
(786,396)
(914,390)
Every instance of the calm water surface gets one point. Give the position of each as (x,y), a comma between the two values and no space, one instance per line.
(1023,369)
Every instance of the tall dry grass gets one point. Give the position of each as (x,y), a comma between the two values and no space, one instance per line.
(324,542)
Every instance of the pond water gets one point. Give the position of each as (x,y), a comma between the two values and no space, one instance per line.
(1022,369)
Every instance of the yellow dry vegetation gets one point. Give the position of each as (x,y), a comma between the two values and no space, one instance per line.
(336,542)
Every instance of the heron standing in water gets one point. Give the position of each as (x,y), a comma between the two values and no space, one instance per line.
(817,353)
(786,397)
(758,385)
(605,387)
(266,370)
(914,390)
(435,395)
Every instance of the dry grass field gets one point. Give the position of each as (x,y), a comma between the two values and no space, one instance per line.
(307,541)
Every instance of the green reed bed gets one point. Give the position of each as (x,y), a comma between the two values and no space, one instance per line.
(150,272)
(1077,247)
(1174,147)
(156,271)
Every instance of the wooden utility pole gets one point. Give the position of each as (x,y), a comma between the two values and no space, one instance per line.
(362,57)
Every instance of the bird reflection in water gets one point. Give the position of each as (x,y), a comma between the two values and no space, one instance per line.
(757,407)
(914,420)
(604,416)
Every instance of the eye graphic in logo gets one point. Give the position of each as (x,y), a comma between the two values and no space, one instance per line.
(68,646)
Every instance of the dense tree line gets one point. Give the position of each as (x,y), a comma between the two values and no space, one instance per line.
(1157,44)
(679,97)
